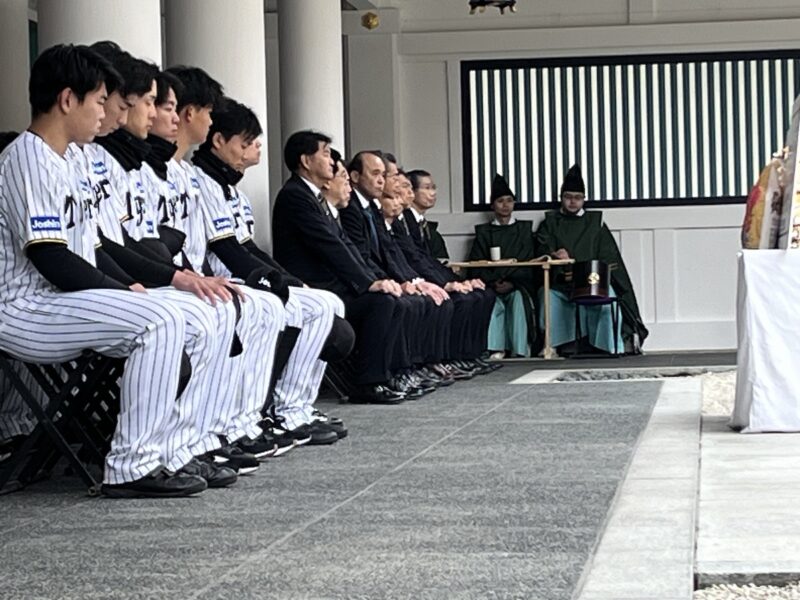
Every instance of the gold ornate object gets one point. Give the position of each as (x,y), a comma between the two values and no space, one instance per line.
(370,21)
(594,278)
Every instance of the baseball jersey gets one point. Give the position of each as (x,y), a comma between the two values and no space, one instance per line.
(126,201)
(34,201)
(246,214)
(187,213)
(79,216)
(221,217)
(107,178)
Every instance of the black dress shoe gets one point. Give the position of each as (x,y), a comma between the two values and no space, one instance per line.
(404,386)
(159,484)
(445,378)
(376,394)
(494,366)
(215,475)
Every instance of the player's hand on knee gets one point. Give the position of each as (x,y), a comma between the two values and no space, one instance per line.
(197,286)
(229,285)
(138,287)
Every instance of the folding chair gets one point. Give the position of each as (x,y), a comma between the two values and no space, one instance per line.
(80,407)
(335,380)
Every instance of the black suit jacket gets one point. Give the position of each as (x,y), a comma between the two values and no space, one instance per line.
(397,265)
(310,245)
(354,221)
(421,243)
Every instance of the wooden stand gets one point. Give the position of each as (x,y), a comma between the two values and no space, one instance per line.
(548,352)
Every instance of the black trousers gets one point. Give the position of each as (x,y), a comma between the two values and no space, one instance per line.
(377,320)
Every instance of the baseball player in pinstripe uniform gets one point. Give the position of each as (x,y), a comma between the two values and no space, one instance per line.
(219,164)
(219,385)
(54,304)
(167,197)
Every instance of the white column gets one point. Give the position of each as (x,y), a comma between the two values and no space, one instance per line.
(15,66)
(312,81)
(136,26)
(227,40)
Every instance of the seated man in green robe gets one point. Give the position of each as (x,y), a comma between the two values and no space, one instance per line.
(512,329)
(573,232)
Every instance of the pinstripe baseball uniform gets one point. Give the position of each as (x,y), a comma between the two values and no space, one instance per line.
(206,399)
(312,311)
(209,333)
(41,324)
(239,412)
(110,206)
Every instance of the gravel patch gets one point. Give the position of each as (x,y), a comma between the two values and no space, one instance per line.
(719,392)
(749,592)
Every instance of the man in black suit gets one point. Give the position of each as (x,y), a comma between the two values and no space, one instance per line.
(474,302)
(309,243)
(364,224)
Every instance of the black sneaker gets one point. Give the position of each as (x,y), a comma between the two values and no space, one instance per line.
(216,476)
(282,437)
(299,436)
(319,433)
(334,423)
(231,456)
(159,484)
(262,447)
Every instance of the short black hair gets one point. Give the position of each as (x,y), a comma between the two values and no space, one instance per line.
(70,66)
(199,88)
(6,137)
(357,162)
(232,118)
(336,158)
(389,157)
(164,83)
(302,143)
(137,75)
(415,175)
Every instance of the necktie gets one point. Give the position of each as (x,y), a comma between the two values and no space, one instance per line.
(426,232)
(373,233)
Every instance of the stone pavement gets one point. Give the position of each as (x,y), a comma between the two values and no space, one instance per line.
(481,490)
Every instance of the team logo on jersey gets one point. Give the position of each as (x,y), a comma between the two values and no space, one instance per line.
(195,183)
(222,223)
(99,167)
(45,223)
(149,226)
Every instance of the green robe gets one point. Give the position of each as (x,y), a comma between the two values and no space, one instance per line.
(515,241)
(587,238)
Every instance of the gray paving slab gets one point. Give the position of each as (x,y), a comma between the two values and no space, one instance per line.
(748,529)
(479,491)
(647,548)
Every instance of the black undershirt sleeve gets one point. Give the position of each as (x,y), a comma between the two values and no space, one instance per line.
(264,257)
(68,271)
(152,250)
(150,273)
(236,258)
(110,267)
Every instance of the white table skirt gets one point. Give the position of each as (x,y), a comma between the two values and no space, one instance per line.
(768,327)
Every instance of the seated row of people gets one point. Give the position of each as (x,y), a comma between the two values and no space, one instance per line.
(115,241)
(571,232)
(111,243)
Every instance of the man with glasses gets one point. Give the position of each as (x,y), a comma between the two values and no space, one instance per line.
(572,232)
